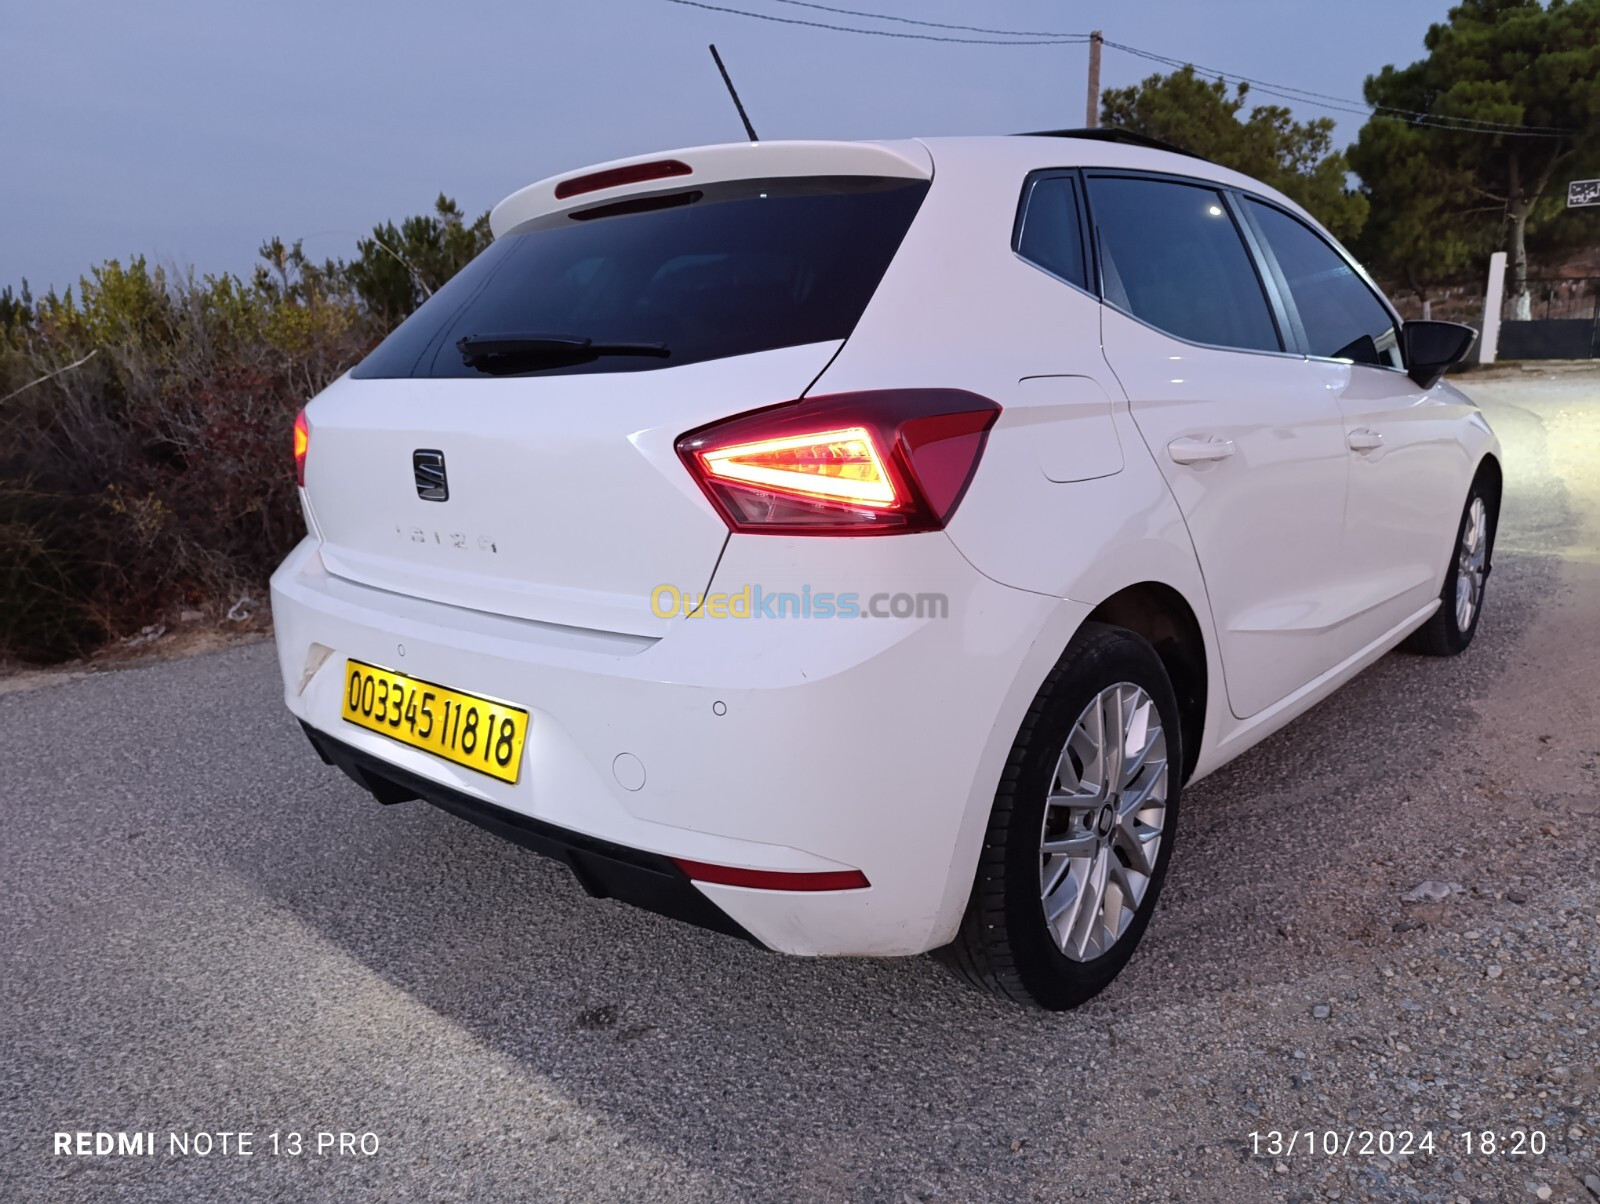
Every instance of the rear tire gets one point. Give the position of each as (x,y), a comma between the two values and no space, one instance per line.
(1082,828)
(1451,628)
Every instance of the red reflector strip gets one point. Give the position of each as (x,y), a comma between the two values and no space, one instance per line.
(727,875)
(634,173)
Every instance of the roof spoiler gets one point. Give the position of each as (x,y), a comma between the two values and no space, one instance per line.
(690,168)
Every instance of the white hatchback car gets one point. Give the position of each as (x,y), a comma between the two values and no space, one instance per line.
(856,547)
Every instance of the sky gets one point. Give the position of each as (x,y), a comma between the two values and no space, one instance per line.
(190,131)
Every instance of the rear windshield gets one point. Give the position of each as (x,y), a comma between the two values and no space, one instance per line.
(661,280)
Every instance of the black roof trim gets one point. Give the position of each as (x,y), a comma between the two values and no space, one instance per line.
(1113,134)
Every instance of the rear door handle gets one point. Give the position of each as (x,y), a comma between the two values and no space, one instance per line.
(1365,440)
(1189,450)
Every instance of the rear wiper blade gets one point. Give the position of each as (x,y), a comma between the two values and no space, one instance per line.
(478,348)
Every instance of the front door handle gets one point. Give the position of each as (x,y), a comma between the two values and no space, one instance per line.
(1189,450)
(1364,440)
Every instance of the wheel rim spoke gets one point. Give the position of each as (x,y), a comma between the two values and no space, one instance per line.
(1114,733)
(1086,917)
(1059,857)
(1139,846)
(1103,822)
(1471,560)
(1154,787)
(1129,887)
(1075,846)
(1144,733)
(1097,734)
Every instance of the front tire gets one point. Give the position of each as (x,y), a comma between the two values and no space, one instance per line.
(1082,828)
(1451,628)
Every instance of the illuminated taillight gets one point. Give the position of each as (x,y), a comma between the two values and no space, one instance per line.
(888,462)
(302,444)
(842,465)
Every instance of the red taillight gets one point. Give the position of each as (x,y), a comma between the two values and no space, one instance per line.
(727,875)
(879,463)
(302,444)
(615,177)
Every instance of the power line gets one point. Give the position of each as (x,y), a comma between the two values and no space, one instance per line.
(1358,107)
(887,33)
(1010,33)
(1018,37)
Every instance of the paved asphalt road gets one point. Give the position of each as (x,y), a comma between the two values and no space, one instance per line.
(205,930)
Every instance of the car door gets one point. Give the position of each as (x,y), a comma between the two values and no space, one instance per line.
(1408,470)
(1253,450)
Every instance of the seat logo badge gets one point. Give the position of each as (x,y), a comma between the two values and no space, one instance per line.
(427,467)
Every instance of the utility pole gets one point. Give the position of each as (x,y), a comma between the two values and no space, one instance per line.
(1092,115)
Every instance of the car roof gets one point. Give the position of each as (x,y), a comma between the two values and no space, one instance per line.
(910,158)
(1014,153)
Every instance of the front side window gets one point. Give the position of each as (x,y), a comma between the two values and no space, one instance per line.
(1171,256)
(1050,229)
(1339,314)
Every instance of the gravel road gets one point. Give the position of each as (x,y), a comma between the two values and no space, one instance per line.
(205,930)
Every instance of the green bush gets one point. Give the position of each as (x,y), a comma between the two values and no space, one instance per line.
(145,426)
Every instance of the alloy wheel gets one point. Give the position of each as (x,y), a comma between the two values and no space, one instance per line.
(1471,562)
(1103,821)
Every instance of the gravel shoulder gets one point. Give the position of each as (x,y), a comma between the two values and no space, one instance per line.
(205,929)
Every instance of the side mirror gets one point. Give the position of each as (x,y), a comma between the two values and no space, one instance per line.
(1431,347)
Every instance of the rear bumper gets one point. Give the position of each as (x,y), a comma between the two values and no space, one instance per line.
(792,746)
(605,870)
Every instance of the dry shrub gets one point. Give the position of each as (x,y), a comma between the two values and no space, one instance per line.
(145,454)
(156,473)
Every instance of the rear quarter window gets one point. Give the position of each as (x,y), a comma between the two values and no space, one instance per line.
(721,270)
(1049,231)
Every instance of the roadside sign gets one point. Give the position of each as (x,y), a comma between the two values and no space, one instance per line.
(1583,192)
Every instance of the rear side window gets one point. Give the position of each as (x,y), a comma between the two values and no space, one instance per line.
(1339,314)
(704,273)
(1171,256)
(1050,228)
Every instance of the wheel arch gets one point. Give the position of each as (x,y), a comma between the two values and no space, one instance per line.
(1493,478)
(1162,615)
(1490,475)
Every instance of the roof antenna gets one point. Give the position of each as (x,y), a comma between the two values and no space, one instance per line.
(748,128)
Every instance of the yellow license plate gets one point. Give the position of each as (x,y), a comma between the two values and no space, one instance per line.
(479,733)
